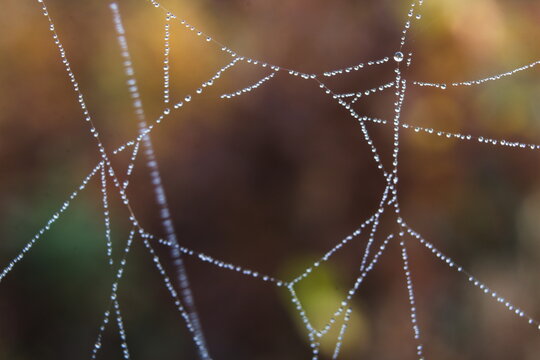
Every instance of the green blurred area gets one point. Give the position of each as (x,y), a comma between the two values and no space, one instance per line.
(272,179)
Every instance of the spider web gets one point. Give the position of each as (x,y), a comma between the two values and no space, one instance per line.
(377,242)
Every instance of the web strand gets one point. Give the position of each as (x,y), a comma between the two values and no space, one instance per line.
(49,223)
(219,263)
(473,280)
(412,300)
(106,215)
(444,86)
(170,288)
(184,302)
(249,88)
(159,191)
(114,303)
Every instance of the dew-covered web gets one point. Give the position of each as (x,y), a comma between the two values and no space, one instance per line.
(178,284)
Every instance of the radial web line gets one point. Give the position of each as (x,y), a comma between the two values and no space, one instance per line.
(401,87)
(296,301)
(249,88)
(332,251)
(114,303)
(365,132)
(356,67)
(412,300)
(444,86)
(85,111)
(342,330)
(345,304)
(216,262)
(346,301)
(166,64)
(372,91)
(366,92)
(374,226)
(49,223)
(170,288)
(106,214)
(457,136)
(131,164)
(159,191)
(471,279)
(468,137)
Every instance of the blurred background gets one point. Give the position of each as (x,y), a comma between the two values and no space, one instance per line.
(272,179)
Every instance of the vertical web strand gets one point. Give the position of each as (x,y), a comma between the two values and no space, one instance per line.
(116,303)
(412,300)
(401,87)
(159,191)
(342,330)
(166,65)
(106,215)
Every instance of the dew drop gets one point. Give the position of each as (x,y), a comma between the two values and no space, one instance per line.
(398,56)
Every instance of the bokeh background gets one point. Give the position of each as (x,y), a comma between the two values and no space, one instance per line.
(272,179)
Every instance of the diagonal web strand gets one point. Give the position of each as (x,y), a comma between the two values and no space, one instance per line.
(49,223)
(170,288)
(219,263)
(473,280)
(250,87)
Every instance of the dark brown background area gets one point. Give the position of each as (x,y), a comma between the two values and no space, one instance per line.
(272,179)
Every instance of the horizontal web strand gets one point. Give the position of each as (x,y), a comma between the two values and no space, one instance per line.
(500,76)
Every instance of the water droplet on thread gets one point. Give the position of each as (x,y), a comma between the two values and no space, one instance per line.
(398,56)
